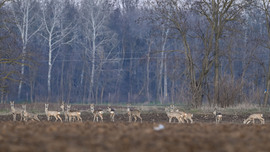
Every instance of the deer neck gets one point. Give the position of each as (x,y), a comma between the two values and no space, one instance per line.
(92,109)
(46,111)
(12,108)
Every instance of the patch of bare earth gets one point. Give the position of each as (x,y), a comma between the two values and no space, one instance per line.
(131,137)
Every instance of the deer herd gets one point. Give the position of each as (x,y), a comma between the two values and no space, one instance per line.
(72,116)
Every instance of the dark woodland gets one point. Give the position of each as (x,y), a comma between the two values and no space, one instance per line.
(192,52)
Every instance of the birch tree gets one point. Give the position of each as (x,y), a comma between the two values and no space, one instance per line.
(27,22)
(95,16)
(55,34)
(173,15)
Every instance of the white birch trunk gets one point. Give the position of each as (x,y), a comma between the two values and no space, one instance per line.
(21,11)
(91,92)
(49,66)
(163,94)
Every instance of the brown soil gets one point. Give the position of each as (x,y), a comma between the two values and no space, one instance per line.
(121,136)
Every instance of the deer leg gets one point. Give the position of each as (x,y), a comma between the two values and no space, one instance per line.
(140,118)
(135,118)
(191,120)
(59,118)
(21,116)
(129,118)
(36,117)
(55,118)
(14,116)
(70,119)
(178,120)
(101,117)
(262,120)
(80,118)
(66,117)
(94,118)
(113,117)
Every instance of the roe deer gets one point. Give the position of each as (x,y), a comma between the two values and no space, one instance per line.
(73,115)
(253,117)
(27,115)
(218,116)
(188,117)
(112,113)
(15,111)
(171,114)
(133,113)
(96,113)
(64,112)
(56,114)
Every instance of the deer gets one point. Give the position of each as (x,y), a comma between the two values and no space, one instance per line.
(56,114)
(218,116)
(64,112)
(96,113)
(15,111)
(188,117)
(112,113)
(27,115)
(174,114)
(133,113)
(73,115)
(253,117)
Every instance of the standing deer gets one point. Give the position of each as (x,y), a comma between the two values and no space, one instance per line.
(56,114)
(73,115)
(188,117)
(112,113)
(133,113)
(96,113)
(16,111)
(218,116)
(174,114)
(64,112)
(253,117)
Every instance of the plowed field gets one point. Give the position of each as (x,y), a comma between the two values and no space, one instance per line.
(121,136)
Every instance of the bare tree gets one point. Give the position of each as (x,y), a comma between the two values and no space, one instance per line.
(219,13)
(264,6)
(9,57)
(55,33)
(172,14)
(26,20)
(95,15)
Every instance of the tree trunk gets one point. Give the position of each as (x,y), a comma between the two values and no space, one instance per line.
(92,67)
(22,73)
(62,81)
(49,69)
(216,77)
(266,95)
(147,71)
(165,96)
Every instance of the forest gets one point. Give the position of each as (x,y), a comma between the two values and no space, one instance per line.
(192,52)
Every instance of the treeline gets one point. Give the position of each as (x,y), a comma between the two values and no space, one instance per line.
(155,51)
